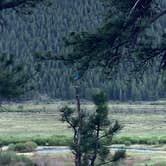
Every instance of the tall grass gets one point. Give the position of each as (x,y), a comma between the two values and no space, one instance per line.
(11,159)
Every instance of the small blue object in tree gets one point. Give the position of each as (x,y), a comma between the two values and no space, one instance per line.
(76,76)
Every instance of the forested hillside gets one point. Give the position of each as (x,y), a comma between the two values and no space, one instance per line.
(44,31)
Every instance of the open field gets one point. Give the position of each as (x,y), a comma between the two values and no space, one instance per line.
(116,107)
(23,125)
(143,123)
(132,159)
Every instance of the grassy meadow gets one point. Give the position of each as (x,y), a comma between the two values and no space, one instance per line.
(143,123)
(40,122)
(132,159)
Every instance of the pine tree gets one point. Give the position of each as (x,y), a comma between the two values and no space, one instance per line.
(12,4)
(45,29)
(14,78)
(93,132)
(122,39)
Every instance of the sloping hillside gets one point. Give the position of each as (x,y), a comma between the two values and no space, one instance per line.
(43,31)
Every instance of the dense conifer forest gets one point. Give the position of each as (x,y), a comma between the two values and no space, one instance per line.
(44,31)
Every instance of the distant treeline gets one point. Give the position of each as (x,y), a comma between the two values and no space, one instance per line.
(44,32)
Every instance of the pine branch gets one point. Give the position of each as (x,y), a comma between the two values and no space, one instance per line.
(162,13)
(133,8)
(12,4)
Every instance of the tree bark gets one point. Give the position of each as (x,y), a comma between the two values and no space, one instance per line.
(96,146)
(78,153)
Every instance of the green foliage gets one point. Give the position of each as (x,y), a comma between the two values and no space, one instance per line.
(14,79)
(11,159)
(11,147)
(92,133)
(23,4)
(99,98)
(23,147)
(66,141)
(40,141)
(52,141)
(44,32)
(139,140)
(123,42)
(120,154)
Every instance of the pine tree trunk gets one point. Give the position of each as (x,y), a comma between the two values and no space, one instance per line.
(78,153)
(96,146)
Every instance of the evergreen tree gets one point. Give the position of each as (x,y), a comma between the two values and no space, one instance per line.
(93,133)
(122,39)
(14,4)
(44,31)
(14,78)
(23,7)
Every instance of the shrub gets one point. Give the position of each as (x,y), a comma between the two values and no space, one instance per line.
(127,143)
(162,140)
(30,146)
(20,147)
(23,147)
(11,159)
(53,141)
(40,141)
(139,140)
(6,157)
(120,154)
(11,147)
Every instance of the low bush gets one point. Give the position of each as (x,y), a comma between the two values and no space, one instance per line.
(40,141)
(162,140)
(53,141)
(20,147)
(11,147)
(127,143)
(65,140)
(139,140)
(23,147)
(30,146)
(11,159)
(120,154)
